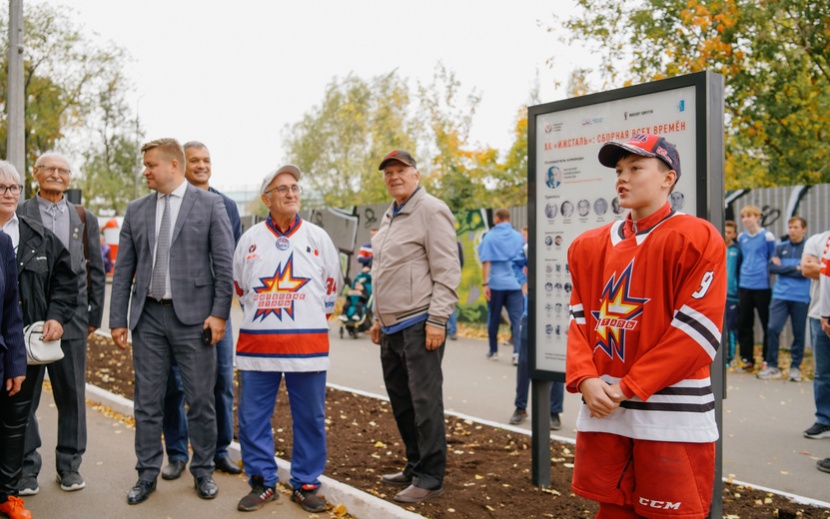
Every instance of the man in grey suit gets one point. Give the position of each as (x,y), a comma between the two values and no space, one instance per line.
(68,375)
(175,263)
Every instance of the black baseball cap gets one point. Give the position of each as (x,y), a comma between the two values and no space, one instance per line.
(643,144)
(401,156)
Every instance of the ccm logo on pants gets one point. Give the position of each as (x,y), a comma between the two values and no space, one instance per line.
(662,505)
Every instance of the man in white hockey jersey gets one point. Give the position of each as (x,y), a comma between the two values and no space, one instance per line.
(286,273)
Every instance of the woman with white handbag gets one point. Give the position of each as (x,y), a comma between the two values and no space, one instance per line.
(45,290)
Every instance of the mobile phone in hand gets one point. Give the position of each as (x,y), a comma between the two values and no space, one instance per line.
(207,336)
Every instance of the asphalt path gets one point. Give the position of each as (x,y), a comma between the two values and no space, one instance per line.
(763,426)
(763,420)
(108,469)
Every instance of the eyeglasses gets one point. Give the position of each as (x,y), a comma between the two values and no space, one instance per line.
(283,190)
(55,169)
(14,189)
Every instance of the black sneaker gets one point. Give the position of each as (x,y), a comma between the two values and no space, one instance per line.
(818,431)
(519,416)
(555,422)
(823,465)
(259,495)
(71,481)
(306,496)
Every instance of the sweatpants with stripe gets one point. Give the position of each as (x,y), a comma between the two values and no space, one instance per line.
(307,399)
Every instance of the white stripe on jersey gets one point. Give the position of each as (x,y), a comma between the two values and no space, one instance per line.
(699,327)
(682,412)
(577,313)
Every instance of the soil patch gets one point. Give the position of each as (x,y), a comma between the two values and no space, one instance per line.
(488,469)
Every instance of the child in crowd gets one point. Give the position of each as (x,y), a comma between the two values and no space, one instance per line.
(647,305)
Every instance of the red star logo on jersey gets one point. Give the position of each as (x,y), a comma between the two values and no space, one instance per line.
(278,293)
(617,314)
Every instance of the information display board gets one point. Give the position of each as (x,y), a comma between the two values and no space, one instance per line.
(570,192)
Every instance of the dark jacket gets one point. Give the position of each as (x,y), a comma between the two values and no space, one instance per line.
(89,300)
(48,286)
(12,347)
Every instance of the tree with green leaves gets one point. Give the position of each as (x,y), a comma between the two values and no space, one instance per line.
(339,143)
(773,54)
(67,75)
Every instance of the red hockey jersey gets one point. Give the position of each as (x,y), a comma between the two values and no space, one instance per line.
(647,311)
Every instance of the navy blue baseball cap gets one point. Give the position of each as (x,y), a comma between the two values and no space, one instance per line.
(643,144)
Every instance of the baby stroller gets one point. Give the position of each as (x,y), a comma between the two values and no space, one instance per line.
(357,312)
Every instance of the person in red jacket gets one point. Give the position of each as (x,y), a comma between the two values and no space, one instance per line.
(647,305)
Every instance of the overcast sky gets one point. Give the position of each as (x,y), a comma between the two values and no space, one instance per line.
(233,74)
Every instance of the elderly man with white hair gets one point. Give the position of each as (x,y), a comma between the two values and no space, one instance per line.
(77,230)
(286,272)
(48,292)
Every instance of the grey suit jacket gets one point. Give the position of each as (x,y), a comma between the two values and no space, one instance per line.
(201,260)
(90,310)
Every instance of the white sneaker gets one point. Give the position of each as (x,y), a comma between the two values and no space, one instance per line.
(769,374)
(795,375)
(515,359)
(493,356)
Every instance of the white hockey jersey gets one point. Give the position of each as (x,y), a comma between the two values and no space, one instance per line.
(287,285)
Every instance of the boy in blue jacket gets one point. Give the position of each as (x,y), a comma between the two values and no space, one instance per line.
(790,298)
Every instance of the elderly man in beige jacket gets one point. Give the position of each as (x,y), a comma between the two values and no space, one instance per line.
(415,272)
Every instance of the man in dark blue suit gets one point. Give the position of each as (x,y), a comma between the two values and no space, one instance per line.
(197,172)
(174,273)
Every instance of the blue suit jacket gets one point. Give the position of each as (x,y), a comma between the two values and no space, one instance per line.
(12,347)
(201,260)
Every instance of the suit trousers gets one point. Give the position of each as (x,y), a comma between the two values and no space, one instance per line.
(68,379)
(414,382)
(175,420)
(158,339)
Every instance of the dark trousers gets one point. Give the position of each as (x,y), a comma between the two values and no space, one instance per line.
(175,419)
(68,379)
(159,338)
(414,382)
(513,300)
(14,415)
(749,302)
(557,389)
(779,310)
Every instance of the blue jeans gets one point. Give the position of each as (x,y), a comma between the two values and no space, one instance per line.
(307,399)
(821,381)
(452,323)
(514,302)
(779,310)
(175,420)
(557,389)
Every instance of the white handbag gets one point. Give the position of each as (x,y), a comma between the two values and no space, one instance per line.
(39,351)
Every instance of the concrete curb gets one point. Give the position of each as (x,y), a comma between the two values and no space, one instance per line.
(357,502)
(362,504)
(794,497)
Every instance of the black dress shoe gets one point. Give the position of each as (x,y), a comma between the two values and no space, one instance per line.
(173,470)
(227,466)
(206,487)
(141,491)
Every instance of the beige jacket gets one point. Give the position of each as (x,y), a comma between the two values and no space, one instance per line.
(415,268)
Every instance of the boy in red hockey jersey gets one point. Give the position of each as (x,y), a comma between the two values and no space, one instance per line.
(646,312)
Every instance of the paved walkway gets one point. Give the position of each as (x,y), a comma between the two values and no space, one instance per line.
(108,469)
(763,420)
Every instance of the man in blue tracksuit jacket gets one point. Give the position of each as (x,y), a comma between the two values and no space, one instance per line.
(757,247)
(790,297)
